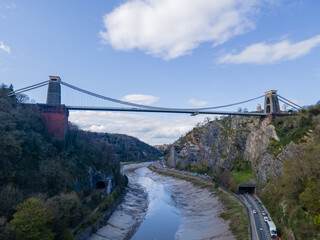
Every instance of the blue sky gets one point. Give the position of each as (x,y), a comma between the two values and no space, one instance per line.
(173,53)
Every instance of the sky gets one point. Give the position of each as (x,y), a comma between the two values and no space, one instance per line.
(168,53)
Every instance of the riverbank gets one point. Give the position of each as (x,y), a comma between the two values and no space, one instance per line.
(164,208)
(98,219)
(233,212)
(129,214)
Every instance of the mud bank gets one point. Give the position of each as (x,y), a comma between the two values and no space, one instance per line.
(145,213)
(199,211)
(129,214)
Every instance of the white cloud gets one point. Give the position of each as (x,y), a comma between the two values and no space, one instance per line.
(196,102)
(4,47)
(145,127)
(173,28)
(7,5)
(262,53)
(140,99)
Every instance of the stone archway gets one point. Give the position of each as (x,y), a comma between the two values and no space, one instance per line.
(268,108)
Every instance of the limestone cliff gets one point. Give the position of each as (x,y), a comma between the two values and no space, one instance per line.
(222,142)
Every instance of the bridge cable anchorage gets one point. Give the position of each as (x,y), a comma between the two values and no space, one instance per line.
(152,107)
(31,87)
(290,101)
(289,104)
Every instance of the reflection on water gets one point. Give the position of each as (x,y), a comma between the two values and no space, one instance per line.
(162,219)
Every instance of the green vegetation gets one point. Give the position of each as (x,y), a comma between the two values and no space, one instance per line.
(294,198)
(195,167)
(274,147)
(233,210)
(106,203)
(294,128)
(32,219)
(129,149)
(241,170)
(243,176)
(38,173)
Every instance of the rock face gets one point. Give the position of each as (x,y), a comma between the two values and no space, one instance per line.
(220,142)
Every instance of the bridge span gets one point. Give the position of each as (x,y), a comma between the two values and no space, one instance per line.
(191,112)
(56,114)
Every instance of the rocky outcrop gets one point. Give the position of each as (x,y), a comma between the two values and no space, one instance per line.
(221,142)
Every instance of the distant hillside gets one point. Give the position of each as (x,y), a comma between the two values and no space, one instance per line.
(129,149)
(162,147)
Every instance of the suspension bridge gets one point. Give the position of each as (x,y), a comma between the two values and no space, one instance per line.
(56,114)
(54,98)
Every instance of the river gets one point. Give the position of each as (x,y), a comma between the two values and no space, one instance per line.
(157,207)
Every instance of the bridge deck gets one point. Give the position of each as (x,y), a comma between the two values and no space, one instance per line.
(192,112)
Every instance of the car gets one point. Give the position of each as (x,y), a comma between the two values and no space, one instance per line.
(254,211)
(264,213)
(266,219)
(255,199)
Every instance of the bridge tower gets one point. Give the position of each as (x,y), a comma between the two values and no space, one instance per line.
(54,91)
(55,115)
(271,102)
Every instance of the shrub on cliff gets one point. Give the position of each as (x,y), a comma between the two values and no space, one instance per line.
(32,219)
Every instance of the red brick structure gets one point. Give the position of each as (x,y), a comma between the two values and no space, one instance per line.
(56,119)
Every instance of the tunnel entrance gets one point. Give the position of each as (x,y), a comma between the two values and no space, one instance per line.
(100,185)
(250,190)
(248,187)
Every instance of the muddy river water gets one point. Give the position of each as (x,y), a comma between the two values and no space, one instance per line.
(157,207)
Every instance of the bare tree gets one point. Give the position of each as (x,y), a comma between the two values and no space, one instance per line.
(22,98)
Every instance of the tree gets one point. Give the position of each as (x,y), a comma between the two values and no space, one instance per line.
(67,209)
(316,220)
(22,98)
(233,185)
(207,120)
(32,219)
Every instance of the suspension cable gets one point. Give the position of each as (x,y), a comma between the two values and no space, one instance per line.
(106,98)
(289,104)
(289,101)
(233,104)
(147,106)
(25,89)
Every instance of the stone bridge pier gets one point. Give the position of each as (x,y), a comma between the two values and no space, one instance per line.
(55,115)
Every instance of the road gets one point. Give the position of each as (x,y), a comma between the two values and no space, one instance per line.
(258,227)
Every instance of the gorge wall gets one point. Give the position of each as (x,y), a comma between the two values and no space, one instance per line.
(221,143)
